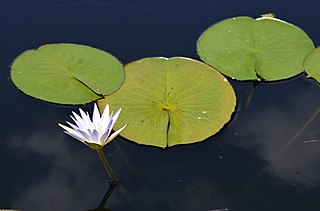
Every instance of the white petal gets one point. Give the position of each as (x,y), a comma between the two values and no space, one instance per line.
(76,136)
(66,128)
(72,125)
(96,117)
(79,121)
(79,125)
(89,120)
(86,119)
(105,114)
(115,134)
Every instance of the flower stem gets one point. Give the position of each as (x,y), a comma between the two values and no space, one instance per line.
(107,166)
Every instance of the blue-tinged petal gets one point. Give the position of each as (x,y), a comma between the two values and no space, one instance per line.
(104,137)
(106,124)
(113,135)
(70,131)
(95,136)
(85,135)
(115,117)
(90,132)
(106,133)
(109,128)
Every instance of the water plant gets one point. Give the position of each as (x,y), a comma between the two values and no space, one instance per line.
(166,101)
(95,133)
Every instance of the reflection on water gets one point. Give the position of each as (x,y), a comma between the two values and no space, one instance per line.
(43,169)
(59,173)
(72,179)
(269,126)
(67,176)
(223,172)
(280,119)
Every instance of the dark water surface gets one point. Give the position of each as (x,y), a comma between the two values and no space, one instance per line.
(257,163)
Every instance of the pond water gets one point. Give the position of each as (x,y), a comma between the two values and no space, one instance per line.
(266,158)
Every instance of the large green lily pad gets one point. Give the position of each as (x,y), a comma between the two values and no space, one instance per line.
(250,49)
(172,101)
(312,64)
(67,73)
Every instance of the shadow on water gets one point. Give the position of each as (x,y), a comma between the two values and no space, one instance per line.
(127,161)
(250,95)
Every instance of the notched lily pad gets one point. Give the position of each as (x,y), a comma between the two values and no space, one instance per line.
(312,64)
(252,49)
(172,101)
(67,73)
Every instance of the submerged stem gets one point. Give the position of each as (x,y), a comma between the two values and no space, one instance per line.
(107,166)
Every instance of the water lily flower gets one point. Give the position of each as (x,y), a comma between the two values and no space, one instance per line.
(96,132)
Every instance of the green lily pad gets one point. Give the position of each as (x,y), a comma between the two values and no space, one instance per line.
(67,73)
(250,49)
(171,101)
(312,64)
